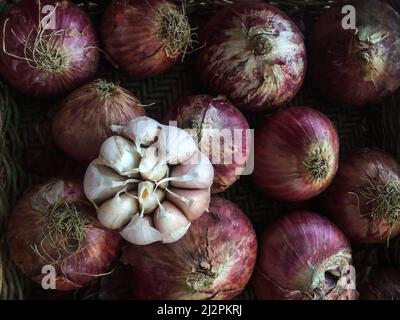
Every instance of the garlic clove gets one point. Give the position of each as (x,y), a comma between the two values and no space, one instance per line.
(179,145)
(118,211)
(148,198)
(142,130)
(101,182)
(145,189)
(140,231)
(195,173)
(171,222)
(151,166)
(121,155)
(164,185)
(193,203)
(153,201)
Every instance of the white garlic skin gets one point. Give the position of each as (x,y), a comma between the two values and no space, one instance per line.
(142,130)
(121,155)
(193,203)
(178,144)
(118,211)
(152,166)
(195,173)
(171,222)
(101,183)
(140,231)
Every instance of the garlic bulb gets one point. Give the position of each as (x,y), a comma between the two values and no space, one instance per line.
(149,182)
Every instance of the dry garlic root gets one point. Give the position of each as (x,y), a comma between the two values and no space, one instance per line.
(149,181)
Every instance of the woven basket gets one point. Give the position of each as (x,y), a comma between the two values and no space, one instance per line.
(24,130)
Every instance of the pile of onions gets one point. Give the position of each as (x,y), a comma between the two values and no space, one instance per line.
(357,67)
(149,181)
(254,54)
(304,256)
(145,38)
(52,224)
(221,131)
(47,47)
(296,154)
(381,283)
(84,118)
(214,260)
(364,199)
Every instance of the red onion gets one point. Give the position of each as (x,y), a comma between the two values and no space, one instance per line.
(209,120)
(304,256)
(364,199)
(214,260)
(83,120)
(145,38)
(50,55)
(254,54)
(357,68)
(53,225)
(296,154)
(381,283)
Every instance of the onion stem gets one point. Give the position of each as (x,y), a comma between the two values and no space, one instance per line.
(175,32)
(317,164)
(385,200)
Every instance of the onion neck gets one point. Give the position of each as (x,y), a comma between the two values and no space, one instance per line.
(202,278)
(174,32)
(105,88)
(365,55)
(372,64)
(384,200)
(51,61)
(317,164)
(330,280)
(196,128)
(260,44)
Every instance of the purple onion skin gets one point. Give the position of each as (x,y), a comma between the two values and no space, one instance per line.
(214,260)
(81,64)
(27,226)
(345,203)
(294,252)
(254,80)
(129,33)
(283,143)
(205,112)
(338,67)
(381,283)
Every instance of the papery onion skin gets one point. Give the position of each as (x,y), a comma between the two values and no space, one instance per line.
(78,46)
(350,204)
(381,283)
(255,72)
(214,260)
(298,250)
(349,68)
(27,228)
(84,118)
(131,36)
(296,154)
(204,115)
